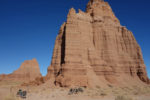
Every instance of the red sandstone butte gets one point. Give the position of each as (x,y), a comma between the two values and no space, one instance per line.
(28,71)
(93,49)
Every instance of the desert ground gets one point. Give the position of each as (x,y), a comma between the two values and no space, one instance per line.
(8,91)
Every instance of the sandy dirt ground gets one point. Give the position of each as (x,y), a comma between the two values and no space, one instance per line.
(8,92)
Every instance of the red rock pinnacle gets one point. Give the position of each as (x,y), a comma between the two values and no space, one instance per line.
(92,48)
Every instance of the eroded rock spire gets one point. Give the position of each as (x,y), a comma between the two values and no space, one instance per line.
(92,49)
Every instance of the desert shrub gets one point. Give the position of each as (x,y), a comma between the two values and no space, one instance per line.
(75,90)
(123,98)
(21,93)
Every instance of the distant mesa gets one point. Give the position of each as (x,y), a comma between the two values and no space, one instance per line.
(93,49)
(28,71)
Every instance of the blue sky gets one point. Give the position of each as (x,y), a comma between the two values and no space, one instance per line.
(28,28)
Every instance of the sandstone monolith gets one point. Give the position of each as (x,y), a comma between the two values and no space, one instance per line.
(92,49)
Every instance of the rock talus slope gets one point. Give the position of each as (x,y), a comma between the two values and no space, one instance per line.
(28,71)
(92,48)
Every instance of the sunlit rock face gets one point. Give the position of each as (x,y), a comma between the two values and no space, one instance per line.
(28,71)
(93,49)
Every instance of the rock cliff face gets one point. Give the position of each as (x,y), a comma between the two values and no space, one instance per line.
(28,71)
(92,48)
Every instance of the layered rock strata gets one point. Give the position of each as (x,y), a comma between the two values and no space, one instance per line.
(28,71)
(92,48)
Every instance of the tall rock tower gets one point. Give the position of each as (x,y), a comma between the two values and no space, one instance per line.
(92,48)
